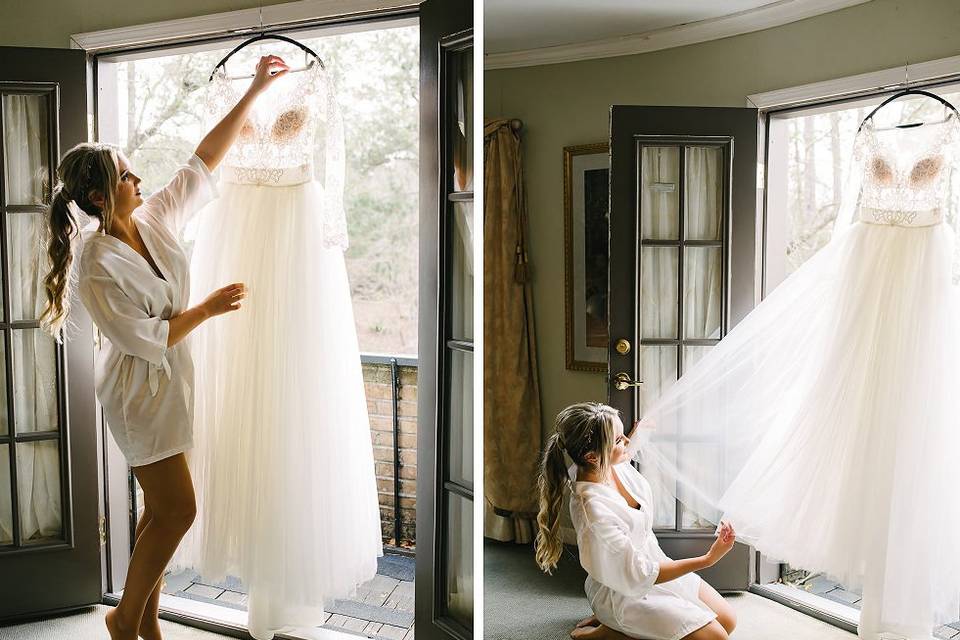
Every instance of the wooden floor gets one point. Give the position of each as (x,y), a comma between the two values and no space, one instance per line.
(383,607)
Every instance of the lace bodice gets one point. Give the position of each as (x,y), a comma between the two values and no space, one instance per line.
(295,121)
(904,177)
(906,172)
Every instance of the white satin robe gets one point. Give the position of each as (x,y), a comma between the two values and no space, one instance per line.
(145,387)
(622,557)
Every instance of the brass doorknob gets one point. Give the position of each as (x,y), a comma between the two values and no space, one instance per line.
(623,346)
(622,382)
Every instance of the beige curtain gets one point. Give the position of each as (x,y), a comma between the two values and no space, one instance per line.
(511,408)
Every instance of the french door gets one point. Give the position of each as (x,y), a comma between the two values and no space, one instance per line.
(683,231)
(444,592)
(50,536)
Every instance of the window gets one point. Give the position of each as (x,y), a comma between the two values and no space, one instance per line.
(808,157)
(159,120)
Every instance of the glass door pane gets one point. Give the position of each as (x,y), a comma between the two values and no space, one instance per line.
(658,292)
(461,114)
(461,294)
(26,149)
(703,195)
(27,264)
(6,507)
(460,417)
(38,482)
(459,533)
(660,193)
(34,381)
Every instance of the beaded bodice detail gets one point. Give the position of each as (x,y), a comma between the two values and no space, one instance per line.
(906,172)
(279,132)
(295,120)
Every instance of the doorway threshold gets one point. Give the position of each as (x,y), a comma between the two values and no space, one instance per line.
(227,621)
(829,611)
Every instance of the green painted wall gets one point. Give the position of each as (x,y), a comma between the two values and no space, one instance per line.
(568,104)
(49,23)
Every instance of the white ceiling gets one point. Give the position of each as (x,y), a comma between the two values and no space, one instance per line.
(611,27)
(514,25)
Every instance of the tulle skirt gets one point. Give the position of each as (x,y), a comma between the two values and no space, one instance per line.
(283,462)
(824,426)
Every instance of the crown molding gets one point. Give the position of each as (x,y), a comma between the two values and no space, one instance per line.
(239,22)
(765,17)
(918,73)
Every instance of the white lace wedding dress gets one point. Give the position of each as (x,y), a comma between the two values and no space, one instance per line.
(826,425)
(283,461)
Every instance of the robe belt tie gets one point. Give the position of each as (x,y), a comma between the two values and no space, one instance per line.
(153,373)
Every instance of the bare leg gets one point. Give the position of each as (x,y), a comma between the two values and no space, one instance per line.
(150,621)
(168,493)
(725,613)
(711,631)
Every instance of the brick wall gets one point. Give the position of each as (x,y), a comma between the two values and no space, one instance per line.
(378,383)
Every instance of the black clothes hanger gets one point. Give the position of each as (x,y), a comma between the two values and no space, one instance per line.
(906,92)
(266,36)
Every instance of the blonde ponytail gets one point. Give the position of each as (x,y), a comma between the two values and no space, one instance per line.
(581,429)
(85,169)
(553,475)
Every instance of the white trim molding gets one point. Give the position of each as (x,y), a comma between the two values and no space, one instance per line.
(240,22)
(767,16)
(861,84)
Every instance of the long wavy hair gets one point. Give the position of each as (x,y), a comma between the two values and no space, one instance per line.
(584,428)
(87,170)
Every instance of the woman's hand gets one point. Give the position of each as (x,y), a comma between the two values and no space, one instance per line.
(224,299)
(218,141)
(263,78)
(724,542)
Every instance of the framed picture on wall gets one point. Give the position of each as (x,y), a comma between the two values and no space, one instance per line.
(586,173)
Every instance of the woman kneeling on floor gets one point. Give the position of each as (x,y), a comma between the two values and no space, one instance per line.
(634,589)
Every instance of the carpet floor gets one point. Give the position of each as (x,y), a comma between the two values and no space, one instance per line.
(522,603)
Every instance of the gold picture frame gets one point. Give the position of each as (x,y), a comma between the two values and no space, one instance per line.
(586,172)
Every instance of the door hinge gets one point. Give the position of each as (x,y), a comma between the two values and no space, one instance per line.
(103,531)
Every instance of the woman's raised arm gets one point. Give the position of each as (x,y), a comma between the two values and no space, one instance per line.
(218,141)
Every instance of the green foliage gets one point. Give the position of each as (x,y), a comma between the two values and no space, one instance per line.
(377,78)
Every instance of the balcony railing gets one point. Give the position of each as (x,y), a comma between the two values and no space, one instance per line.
(390,383)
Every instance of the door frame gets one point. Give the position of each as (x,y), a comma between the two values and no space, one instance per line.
(77,562)
(445,27)
(152,39)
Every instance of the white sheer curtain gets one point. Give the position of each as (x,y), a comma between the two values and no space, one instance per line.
(26,159)
(662,284)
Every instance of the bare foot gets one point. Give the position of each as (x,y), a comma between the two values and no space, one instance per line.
(150,630)
(585,632)
(601,632)
(589,622)
(116,628)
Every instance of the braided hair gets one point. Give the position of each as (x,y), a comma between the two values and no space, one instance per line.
(583,428)
(86,170)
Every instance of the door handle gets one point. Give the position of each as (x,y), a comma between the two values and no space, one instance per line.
(622,382)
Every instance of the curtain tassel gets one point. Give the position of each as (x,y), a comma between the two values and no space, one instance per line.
(520,272)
